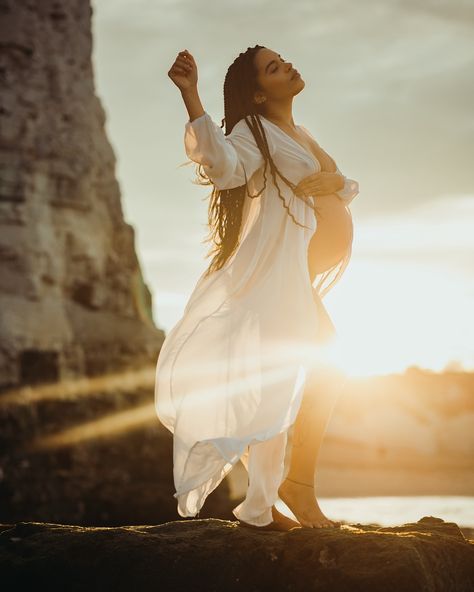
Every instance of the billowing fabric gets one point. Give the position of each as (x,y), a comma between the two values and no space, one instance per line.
(231,373)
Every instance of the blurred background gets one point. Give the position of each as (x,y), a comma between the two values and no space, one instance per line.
(101,244)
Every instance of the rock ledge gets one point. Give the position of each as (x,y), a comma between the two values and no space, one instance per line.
(217,555)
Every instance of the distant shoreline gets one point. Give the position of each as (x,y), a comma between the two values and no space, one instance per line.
(367,481)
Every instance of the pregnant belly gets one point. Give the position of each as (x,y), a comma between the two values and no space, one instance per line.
(333,235)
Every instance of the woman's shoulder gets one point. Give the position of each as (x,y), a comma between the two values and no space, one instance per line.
(242,130)
(243,127)
(306,131)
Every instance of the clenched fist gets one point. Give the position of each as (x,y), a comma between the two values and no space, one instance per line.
(183,72)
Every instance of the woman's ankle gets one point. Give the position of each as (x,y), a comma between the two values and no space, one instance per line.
(300,479)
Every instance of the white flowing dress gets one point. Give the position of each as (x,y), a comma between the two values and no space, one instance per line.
(230,374)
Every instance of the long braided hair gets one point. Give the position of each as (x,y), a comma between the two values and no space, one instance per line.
(226,205)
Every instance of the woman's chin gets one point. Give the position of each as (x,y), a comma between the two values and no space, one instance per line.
(298,85)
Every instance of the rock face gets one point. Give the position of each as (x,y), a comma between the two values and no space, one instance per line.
(217,555)
(91,453)
(72,297)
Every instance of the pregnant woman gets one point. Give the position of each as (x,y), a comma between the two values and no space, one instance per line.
(243,374)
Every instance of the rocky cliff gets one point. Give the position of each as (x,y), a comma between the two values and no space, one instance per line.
(73,300)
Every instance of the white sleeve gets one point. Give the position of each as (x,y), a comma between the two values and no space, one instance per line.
(350,189)
(226,160)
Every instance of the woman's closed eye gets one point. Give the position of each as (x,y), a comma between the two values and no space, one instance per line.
(273,71)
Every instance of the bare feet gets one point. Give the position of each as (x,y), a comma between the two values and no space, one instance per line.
(301,500)
(285,521)
(280,522)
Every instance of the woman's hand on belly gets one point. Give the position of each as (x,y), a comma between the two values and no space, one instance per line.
(321,183)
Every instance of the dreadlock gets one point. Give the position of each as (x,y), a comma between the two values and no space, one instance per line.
(226,205)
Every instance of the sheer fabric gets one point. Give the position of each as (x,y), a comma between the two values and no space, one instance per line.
(231,373)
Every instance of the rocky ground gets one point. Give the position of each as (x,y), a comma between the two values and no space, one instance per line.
(216,555)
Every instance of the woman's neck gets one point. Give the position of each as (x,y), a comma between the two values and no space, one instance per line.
(281,115)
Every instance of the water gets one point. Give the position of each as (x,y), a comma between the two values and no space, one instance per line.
(396,510)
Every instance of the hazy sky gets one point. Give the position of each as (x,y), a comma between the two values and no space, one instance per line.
(389,94)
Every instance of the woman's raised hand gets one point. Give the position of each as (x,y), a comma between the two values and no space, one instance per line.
(319,184)
(183,72)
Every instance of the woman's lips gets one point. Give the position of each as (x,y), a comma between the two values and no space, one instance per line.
(295,75)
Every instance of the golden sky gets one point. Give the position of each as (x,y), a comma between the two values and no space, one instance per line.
(389,94)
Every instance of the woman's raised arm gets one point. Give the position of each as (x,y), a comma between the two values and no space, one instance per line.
(184,74)
(229,161)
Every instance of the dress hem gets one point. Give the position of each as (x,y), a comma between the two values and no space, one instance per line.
(256,439)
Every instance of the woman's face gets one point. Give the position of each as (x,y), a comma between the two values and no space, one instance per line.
(276,76)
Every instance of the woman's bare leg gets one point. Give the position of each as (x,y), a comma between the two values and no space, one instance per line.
(297,491)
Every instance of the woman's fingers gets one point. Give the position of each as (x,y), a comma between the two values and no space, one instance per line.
(179,70)
(185,62)
(183,65)
(308,189)
(309,181)
(311,178)
(185,59)
(184,72)
(187,56)
(318,183)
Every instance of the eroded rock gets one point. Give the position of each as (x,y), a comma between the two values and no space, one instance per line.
(217,555)
(73,300)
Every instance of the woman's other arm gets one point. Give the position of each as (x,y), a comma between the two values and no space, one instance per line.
(229,161)
(350,188)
